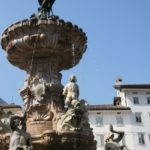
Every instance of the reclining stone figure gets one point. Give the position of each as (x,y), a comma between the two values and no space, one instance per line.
(112,143)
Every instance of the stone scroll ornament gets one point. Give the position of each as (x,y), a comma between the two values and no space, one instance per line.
(19,139)
(112,142)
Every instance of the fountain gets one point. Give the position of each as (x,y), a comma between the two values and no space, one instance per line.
(43,46)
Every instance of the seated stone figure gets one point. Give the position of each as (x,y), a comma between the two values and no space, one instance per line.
(20,139)
(71,91)
(113,143)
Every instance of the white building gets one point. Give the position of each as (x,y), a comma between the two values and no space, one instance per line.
(130,113)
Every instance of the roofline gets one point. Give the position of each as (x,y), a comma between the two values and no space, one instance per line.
(132,86)
(9,106)
(106,107)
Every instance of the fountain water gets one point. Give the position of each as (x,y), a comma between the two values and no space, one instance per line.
(73,54)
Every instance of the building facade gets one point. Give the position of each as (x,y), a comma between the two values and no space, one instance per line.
(101,116)
(9,110)
(129,113)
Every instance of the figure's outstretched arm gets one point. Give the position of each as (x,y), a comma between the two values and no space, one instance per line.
(120,134)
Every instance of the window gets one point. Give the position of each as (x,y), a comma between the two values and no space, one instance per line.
(148,100)
(119,120)
(135,92)
(118,113)
(100,140)
(99,121)
(141,138)
(98,113)
(135,100)
(138,118)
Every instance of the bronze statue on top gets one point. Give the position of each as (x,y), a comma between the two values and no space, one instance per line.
(45,8)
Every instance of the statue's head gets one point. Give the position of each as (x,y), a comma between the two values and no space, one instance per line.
(83,102)
(16,123)
(72,78)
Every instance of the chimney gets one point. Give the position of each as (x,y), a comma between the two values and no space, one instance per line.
(117,101)
(118,81)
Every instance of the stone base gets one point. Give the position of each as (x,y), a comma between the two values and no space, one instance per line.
(64,141)
(38,127)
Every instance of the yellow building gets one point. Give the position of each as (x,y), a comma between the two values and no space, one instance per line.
(8,110)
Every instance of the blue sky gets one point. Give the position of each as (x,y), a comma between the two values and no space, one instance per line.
(118,45)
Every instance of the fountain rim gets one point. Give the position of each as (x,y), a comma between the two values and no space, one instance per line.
(60,26)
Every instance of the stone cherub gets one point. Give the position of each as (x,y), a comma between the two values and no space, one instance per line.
(71,91)
(112,143)
(76,116)
(20,139)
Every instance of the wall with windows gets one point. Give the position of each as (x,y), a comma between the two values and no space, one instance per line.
(100,121)
(10,110)
(135,123)
(139,102)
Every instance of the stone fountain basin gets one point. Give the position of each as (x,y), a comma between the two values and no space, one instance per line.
(33,39)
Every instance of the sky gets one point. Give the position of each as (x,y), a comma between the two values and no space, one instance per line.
(118,34)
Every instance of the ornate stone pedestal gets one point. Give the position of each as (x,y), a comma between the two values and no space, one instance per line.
(44,47)
(66,141)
